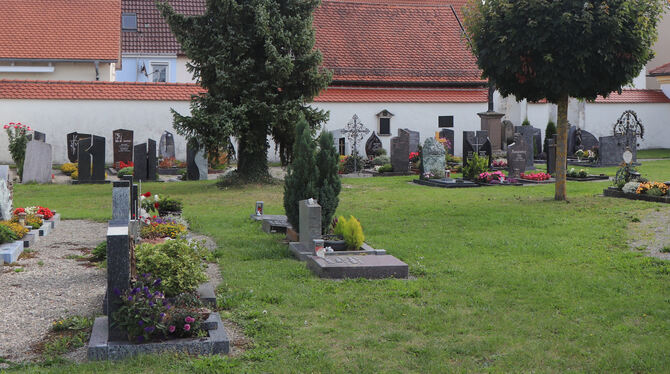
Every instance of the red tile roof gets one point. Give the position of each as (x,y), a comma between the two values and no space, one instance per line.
(661,70)
(64,90)
(154,34)
(380,42)
(635,97)
(60,29)
(401,95)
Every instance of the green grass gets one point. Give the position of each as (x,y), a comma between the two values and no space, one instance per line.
(653,153)
(504,280)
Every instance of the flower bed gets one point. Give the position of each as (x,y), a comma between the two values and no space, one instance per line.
(538,177)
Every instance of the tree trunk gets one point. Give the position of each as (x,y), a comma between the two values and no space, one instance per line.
(252,155)
(562,148)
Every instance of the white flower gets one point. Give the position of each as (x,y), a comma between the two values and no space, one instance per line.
(156,197)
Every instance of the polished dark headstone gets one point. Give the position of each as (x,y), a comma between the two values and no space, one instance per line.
(400,152)
(118,272)
(166,145)
(140,157)
(373,145)
(97,152)
(152,161)
(122,145)
(84,156)
(517,154)
(73,145)
(476,142)
(551,155)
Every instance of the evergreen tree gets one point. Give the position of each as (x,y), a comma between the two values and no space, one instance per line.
(549,133)
(554,50)
(300,182)
(328,182)
(257,61)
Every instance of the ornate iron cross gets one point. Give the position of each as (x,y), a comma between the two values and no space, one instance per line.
(355,132)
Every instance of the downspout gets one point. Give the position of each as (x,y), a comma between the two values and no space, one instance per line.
(97,71)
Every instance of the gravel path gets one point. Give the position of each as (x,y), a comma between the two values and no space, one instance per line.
(32,299)
(652,233)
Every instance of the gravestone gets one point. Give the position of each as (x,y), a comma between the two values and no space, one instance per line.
(414,140)
(140,157)
(73,145)
(476,143)
(517,153)
(527,132)
(166,146)
(310,223)
(118,272)
(358,266)
(91,156)
(134,199)
(506,134)
(38,136)
(433,157)
(580,139)
(4,172)
(490,122)
(37,165)
(98,158)
(373,145)
(152,161)
(448,134)
(5,200)
(537,141)
(122,145)
(400,152)
(612,148)
(196,164)
(121,196)
(551,155)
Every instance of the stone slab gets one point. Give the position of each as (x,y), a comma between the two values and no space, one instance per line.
(446,183)
(55,220)
(266,216)
(614,192)
(530,181)
(10,252)
(207,294)
(589,178)
(37,165)
(100,348)
(358,266)
(45,229)
(30,238)
(275,225)
(302,253)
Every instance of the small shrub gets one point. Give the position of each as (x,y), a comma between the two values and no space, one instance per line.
(381,160)
(386,168)
(177,262)
(549,133)
(351,162)
(665,249)
(68,168)
(6,234)
(126,171)
(525,122)
(475,166)
(72,323)
(168,205)
(351,231)
(16,227)
(99,253)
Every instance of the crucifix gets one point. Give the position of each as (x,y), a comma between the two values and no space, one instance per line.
(355,131)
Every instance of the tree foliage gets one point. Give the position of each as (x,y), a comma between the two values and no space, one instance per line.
(257,61)
(300,181)
(549,133)
(328,183)
(537,49)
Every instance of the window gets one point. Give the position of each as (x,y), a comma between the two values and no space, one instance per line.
(384,122)
(445,121)
(159,72)
(129,21)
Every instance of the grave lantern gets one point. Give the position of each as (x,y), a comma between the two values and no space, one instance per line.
(22,218)
(318,247)
(259,208)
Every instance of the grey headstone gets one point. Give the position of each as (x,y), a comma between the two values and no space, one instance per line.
(611,149)
(310,223)
(5,200)
(400,152)
(551,156)
(140,157)
(118,272)
(166,145)
(121,196)
(490,121)
(433,157)
(517,153)
(527,132)
(506,134)
(414,140)
(358,266)
(4,172)
(37,165)
(201,162)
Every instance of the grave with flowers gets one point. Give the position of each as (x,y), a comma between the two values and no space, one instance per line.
(154,275)
(22,228)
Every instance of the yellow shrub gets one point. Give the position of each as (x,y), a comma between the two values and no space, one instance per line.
(68,168)
(16,227)
(31,220)
(162,230)
(352,232)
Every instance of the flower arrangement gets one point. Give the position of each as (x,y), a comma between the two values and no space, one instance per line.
(539,176)
(499,163)
(30,220)
(572,173)
(491,177)
(68,168)
(18,140)
(16,228)
(652,188)
(123,164)
(167,162)
(45,212)
(414,156)
(158,227)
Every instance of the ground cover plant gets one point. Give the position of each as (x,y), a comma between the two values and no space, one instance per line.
(505,280)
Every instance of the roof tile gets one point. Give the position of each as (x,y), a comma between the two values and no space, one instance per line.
(336,94)
(661,70)
(635,96)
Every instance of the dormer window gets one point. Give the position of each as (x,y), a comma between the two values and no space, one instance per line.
(384,122)
(129,21)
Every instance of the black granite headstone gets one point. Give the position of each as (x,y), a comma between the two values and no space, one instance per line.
(517,153)
(118,272)
(97,152)
(140,157)
(166,145)
(476,142)
(551,155)
(192,171)
(39,136)
(122,145)
(400,152)
(84,157)
(152,162)
(73,145)
(448,134)
(373,145)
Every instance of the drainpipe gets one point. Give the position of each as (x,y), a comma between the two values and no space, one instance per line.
(97,72)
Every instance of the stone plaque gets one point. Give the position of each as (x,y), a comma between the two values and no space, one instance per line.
(400,152)
(433,157)
(476,142)
(516,156)
(358,266)
(166,145)
(373,145)
(140,157)
(414,140)
(528,133)
(37,165)
(122,145)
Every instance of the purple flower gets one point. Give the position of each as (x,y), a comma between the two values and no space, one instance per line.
(157,282)
(171,329)
(130,298)
(151,303)
(187,327)
(135,290)
(117,292)
(146,275)
(149,329)
(162,315)
(189,319)
(140,339)
(140,322)
(164,302)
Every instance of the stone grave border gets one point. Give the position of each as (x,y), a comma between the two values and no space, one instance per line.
(530,181)
(10,252)
(430,183)
(589,178)
(392,174)
(614,192)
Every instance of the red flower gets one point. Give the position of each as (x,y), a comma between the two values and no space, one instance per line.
(19,210)
(147,194)
(156,205)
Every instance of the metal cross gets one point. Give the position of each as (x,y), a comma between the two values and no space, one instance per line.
(476,144)
(355,132)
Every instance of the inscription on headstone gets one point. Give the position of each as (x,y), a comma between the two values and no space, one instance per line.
(516,156)
(433,157)
(122,145)
(476,143)
(73,145)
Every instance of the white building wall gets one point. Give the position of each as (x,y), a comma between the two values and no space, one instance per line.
(420,117)
(62,71)
(183,76)
(56,118)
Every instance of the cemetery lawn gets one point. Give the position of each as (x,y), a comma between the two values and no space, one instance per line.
(653,153)
(504,279)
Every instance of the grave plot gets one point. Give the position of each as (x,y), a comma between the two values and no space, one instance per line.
(584,176)
(23,228)
(177,317)
(434,161)
(90,158)
(628,185)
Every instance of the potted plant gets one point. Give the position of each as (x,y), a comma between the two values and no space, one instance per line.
(347,235)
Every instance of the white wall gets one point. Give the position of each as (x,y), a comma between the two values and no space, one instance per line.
(64,71)
(420,117)
(183,76)
(56,118)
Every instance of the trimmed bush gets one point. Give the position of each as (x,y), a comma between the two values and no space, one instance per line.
(300,182)
(328,183)
(126,171)
(6,234)
(387,168)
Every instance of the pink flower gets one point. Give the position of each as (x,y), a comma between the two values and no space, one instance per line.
(187,327)
(16,127)
(171,329)
(6,126)
(29,129)
(189,319)
(12,123)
